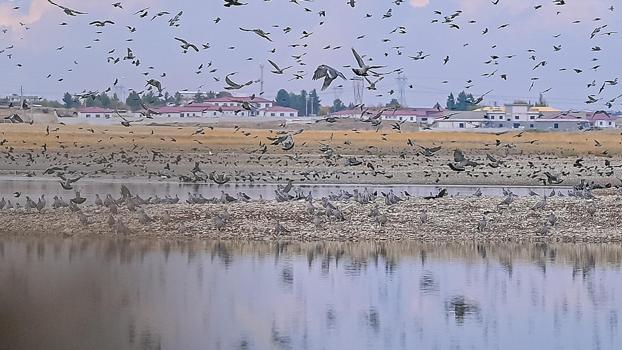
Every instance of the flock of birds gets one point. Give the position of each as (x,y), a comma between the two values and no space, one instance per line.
(364,67)
(319,211)
(65,164)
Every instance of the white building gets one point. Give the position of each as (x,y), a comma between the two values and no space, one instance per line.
(213,110)
(98,116)
(421,116)
(602,120)
(515,116)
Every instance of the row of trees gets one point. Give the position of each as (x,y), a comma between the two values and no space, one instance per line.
(134,101)
(306,103)
(338,105)
(464,102)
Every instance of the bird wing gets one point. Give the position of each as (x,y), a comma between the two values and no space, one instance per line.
(230,82)
(182,41)
(320,72)
(274,65)
(359,60)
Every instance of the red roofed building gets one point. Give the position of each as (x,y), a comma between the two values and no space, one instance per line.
(424,116)
(602,119)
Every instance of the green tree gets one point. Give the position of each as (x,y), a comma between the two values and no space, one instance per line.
(223,94)
(177,99)
(104,100)
(133,101)
(314,102)
(451,102)
(210,95)
(282,98)
(199,98)
(68,100)
(301,103)
(394,103)
(337,106)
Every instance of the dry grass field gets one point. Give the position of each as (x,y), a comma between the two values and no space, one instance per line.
(350,138)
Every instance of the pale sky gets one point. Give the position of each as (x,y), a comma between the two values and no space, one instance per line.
(35,48)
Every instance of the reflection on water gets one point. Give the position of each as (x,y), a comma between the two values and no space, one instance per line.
(68,294)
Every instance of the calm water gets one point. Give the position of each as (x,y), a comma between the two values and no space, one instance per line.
(170,295)
(88,188)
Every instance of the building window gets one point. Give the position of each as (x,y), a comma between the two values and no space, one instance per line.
(424,119)
(97,115)
(282,114)
(516,125)
(272,114)
(556,126)
(516,117)
(411,119)
(214,113)
(291,114)
(500,125)
(181,115)
(88,115)
(531,126)
(532,117)
(610,123)
(461,125)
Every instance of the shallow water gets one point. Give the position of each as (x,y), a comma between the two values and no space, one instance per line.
(64,294)
(88,188)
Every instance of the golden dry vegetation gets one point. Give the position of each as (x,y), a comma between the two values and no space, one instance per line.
(351,138)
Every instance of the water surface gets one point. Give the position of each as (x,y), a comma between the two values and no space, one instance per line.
(35,187)
(64,294)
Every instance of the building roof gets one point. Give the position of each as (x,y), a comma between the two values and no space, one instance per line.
(600,115)
(95,110)
(463,115)
(195,108)
(419,112)
(543,109)
(239,99)
(278,109)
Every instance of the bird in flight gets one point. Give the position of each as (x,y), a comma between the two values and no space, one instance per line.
(67,10)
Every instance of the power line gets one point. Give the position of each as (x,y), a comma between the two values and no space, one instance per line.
(261,80)
(359,87)
(401,86)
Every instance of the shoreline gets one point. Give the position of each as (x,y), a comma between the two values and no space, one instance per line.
(596,220)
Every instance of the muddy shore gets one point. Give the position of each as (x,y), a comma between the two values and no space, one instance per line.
(597,220)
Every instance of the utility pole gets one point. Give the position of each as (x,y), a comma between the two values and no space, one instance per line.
(306,104)
(401,85)
(261,80)
(359,87)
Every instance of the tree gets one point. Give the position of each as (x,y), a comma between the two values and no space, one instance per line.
(210,95)
(199,98)
(68,100)
(104,100)
(133,101)
(282,98)
(177,100)
(301,104)
(116,103)
(314,102)
(465,102)
(337,106)
(224,94)
(451,102)
(542,102)
(394,103)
